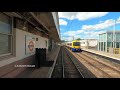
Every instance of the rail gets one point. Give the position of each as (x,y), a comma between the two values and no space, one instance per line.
(52,68)
(63,74)
(75,64)
(104,68)
(65,67)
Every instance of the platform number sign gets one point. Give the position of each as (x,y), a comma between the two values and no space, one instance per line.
(29,44)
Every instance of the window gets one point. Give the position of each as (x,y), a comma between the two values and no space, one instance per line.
(110,37)
(117,45)
(36,39)
(101,46)
(76,43)
(104,46)
(5,34)
(118,37)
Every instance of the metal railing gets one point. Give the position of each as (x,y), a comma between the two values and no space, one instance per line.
(116,50)
(107,49)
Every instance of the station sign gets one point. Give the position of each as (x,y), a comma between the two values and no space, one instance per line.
(29,44)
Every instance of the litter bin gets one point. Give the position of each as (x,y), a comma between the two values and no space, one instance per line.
(40,57)
(37,59)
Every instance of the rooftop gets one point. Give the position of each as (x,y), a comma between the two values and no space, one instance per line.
(111,31)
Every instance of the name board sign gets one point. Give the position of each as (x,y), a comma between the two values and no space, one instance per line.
(29,44)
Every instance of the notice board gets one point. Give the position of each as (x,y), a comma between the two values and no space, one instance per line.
(29,44)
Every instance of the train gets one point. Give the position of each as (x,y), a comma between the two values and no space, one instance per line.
(74,45)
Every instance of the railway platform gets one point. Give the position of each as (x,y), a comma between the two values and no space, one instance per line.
(104,54)
(43,71)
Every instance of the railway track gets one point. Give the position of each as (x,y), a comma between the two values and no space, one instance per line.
(58,67)
(109,62)
(71,68)
(105,70)
(65,66)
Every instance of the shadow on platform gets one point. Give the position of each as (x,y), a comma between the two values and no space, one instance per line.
(47,64)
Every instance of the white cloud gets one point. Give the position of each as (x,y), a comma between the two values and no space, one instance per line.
(102,25)
(81,34)
(62,22)
(118,18)
(69,35)
(68,15)
(81,15)
(92,34)
(70,38)
(73,33)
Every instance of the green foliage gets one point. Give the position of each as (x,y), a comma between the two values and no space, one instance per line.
(78,39)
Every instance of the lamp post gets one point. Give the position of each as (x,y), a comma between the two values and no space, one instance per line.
(114,34)
(73,37)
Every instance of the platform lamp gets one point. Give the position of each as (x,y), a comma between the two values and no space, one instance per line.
(73,37)
(114,34)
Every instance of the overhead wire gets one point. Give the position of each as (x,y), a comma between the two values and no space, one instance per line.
(71,22)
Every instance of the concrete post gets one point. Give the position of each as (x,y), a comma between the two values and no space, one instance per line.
(103,46)
(106,42)
(100,46)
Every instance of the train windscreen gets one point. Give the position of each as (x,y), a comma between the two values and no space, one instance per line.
(76,43)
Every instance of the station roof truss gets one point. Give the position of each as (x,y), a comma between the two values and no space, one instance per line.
(45,22)
(29,18)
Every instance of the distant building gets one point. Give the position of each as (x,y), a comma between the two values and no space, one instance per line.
(107,42)
(89,43)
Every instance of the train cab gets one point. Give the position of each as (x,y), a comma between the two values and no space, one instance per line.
(76,45)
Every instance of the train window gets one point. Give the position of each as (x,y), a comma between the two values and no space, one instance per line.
(76,43)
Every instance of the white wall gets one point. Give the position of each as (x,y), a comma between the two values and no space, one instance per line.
(83,43)
(20,46)
(41,42)
(93,43)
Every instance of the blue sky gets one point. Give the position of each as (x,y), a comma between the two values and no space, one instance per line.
(86,25)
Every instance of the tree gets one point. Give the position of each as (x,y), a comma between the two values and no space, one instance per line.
(78,39)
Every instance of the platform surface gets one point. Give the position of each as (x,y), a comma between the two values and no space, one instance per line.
(43,71)
(109,55)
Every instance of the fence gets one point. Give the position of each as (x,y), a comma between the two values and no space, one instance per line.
(116,50)
(113,50)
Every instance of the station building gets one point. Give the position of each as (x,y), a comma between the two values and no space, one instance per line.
(89,43)
(21,33)
(108,43)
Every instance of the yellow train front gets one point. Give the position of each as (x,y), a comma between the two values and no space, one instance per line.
(75,46)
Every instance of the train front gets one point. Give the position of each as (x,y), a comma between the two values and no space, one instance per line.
(76,46)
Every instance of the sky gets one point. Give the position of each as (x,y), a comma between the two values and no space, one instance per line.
(87,25)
